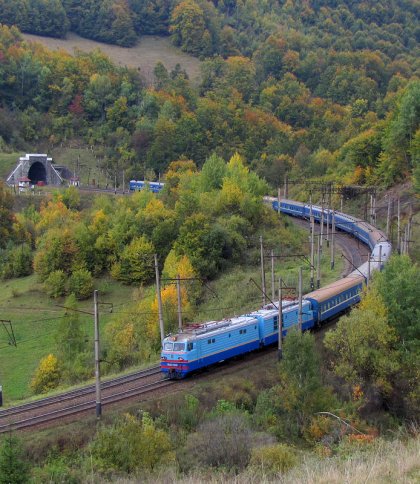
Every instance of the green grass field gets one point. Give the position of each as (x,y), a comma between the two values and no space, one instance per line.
(34,318)
(7,163)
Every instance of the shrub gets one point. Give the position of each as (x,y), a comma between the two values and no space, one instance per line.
(222,441)
(55,285)
(81,284)
(16,261)
(272,459)
(47,375)
(131,445)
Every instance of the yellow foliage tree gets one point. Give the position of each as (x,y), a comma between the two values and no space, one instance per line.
(47,375)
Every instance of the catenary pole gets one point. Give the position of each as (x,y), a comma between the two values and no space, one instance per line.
(318,262)
(159,299)
(97,360)
(280,325)
(332,240)
(300,300)
(262,270)
(388,217)
(178,293)
(312,234)
(273,289)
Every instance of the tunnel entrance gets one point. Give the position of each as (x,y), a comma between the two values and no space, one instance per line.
(37,173)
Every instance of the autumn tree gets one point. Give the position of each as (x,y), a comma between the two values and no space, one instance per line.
(47,376)
(136,262)
(188,27)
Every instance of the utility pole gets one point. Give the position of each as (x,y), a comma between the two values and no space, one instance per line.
(159,298)
(97,360)
(341,203)
(262,270)
(318,263)
(178,293)
(280,324)
(332,240)
(388,217)
(328,225)
(300,300)
(273,289)
(399,226)
(312,223)
(321,224)
(380,257)
(368,272)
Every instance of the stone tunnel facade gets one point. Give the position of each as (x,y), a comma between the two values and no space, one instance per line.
(36,167)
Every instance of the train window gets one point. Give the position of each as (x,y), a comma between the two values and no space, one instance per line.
(213,340)
(276,322)
(209,341)
(244,331)
(179,346)
(168,346)
(229,335)
(190,346)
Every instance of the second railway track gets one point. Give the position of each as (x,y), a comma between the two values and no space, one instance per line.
(80,400)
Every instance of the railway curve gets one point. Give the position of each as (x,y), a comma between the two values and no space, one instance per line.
(137,385)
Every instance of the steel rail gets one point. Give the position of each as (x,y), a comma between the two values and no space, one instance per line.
(79,392)
(84,406)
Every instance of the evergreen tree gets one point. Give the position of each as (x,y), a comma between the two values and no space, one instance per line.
(13,468)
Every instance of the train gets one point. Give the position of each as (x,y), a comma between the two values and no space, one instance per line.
(201,345)
(136,185)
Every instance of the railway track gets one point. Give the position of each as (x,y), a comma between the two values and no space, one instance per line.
(67,405)
(78,401)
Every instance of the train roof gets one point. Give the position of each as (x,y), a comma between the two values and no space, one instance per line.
(330,290)
(211,328)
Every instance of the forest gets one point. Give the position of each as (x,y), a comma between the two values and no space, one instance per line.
(315,90)
(312,89)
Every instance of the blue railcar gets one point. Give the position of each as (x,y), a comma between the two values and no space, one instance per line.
(136,185)
(209,343)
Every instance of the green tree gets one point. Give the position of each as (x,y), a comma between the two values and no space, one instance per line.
(362,346)
(188,27)
(13,467)
(286,409)
(81,284)
(6,216)
(55,284)
(135,265)
(70,336)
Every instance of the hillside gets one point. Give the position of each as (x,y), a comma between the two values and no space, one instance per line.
(144,55)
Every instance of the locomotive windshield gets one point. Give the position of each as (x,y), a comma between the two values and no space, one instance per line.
(174,346)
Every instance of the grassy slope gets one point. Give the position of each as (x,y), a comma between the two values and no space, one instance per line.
(7,163)
(23,302)
(144,56)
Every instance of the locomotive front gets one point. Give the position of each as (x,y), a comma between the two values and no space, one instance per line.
(174,360)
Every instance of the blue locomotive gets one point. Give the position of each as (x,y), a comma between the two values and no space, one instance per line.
(202,345)
(136,185)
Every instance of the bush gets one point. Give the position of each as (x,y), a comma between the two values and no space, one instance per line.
(223,441)
(47,376)
(55,285)
(272,459)
(132,445)
(81,284)
(16,261)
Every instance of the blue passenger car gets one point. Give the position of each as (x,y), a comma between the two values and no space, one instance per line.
(136,185)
